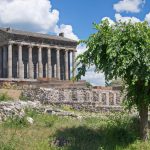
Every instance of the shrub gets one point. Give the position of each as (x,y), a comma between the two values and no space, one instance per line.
(5,97)
(123,127)
(22,97)
(16,122)
(30,112)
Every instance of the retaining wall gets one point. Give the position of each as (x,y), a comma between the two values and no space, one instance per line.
(85,99)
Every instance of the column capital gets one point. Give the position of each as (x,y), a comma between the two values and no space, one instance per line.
(10,43)
(39,46)
(66,50)
(58,48)
(73,50)
(30,46)
(49,47)
(20,44)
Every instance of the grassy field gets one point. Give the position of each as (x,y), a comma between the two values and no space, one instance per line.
(116,132)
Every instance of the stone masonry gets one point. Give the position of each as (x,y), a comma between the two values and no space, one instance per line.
(28,56)
(81,99)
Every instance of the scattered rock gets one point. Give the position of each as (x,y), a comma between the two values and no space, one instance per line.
(30,120)
(61,142)
(92,100)
(79,99)
(59,112)
(16,108)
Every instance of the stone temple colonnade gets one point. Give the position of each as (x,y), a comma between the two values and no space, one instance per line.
(23,60)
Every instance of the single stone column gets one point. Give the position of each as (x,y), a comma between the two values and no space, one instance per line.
(40,66)
(73,65)
(5,62)
(66,65)
(17,70)
(36,70)
(100,97)
(69,64)
(30,64)
(58,64)
(10,61)
(1,62)
(55,71)
(107,98)
(20,63)
(27,70)
(91,96)
(115,98)
(49,69)
(46,71)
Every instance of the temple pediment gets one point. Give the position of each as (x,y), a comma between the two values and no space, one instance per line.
(37,38)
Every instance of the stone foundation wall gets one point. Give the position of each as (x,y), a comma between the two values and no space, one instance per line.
(81,99)
(17,108)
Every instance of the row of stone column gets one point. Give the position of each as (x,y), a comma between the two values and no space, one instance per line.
(40,66)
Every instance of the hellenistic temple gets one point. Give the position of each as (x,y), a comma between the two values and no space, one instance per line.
(27,56)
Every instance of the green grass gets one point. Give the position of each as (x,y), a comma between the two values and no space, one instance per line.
(115,132)
(5,97)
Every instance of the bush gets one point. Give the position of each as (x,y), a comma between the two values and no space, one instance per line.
(5,97)
(22,97)
(7,146)
(123,128)
(16,122)
(30,112)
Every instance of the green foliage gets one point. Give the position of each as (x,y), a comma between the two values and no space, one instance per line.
(20,122)
(121,51)
(8,146)
(66,107)
(117,131)
(115,83)
(22,97)
(16,122)
(30,112)
(9,143)
(122,124)
(88,84)
(5,97)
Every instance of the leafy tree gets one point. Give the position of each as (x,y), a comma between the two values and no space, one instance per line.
(116,82)
(122,51)
(88,84)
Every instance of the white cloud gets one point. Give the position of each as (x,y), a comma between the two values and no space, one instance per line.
(111,22)
(133,6)
(81,48)
(126,19)
(67,30)
(91,76)
(147,17)
(35,15)
(94,78)
(38,16)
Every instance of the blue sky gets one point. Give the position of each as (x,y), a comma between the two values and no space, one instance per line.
(73,17)
(82,13)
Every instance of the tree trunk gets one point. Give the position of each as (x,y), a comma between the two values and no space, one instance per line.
(143,112)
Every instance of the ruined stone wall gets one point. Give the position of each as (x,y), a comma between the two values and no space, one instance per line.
(85,99)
